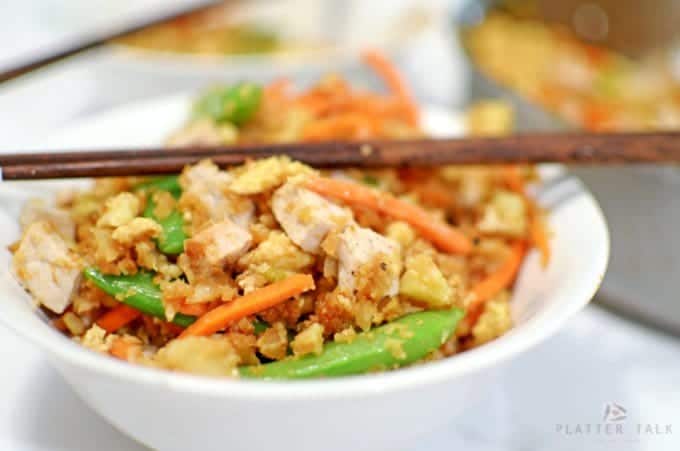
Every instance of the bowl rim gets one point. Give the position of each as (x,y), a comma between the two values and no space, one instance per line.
(519,339)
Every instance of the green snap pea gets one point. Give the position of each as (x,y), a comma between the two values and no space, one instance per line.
(235,104)
(168,183)
(395,344)
(172,236)
(138,291)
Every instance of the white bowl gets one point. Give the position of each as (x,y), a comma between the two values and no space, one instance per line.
(170,411)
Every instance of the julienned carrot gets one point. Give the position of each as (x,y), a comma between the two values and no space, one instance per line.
(500,279)
(434,195)
(195,309)
(355,125)
(443,235)
(278,89)
(124,349)
(59,323)
(118,317)
(512,176)
(378,107)
(538,233)
(394,81)
(261,299)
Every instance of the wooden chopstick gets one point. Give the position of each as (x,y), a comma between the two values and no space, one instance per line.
(101,38)
(568,148)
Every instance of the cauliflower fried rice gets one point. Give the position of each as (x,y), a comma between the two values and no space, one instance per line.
(220,269)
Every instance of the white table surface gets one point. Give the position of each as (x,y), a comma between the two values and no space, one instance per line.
(539,404)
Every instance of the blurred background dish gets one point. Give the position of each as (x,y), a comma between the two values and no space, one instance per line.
(586,84)
(309,39)
(262,40)
(220,30)
(554,79)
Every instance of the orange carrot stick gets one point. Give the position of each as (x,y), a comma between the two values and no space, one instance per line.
(434,195)
(494,283)
(443,235)
(350,125)
(196,309)
(261,299)
(386,70)
(394,81)
(118,317)
(512,177)
(538,233)
(123,349)
(278,88)
(60,324)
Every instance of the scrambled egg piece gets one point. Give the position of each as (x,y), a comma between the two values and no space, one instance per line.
(423,281)
(96,339)
(212,356)
(273,343)
(506,214)
(309,341)
(120,210)
(278,251)
(138,229)
(494,321)
(263,175)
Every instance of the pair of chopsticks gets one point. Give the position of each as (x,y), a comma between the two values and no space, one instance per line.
(567,148)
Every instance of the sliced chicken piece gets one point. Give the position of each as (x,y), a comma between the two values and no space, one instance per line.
(218,244)
(307,217)
(46,266)
(369,264)
(38,210)
(206,194)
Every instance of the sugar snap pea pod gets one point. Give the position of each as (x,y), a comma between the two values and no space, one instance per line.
(236,103)
(398,343)
(172,236)
(168,183)
(138,291)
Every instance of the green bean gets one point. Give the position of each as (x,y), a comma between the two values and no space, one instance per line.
(401,342)
(172,236)
(138,291)
(235,104)
(168,183)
